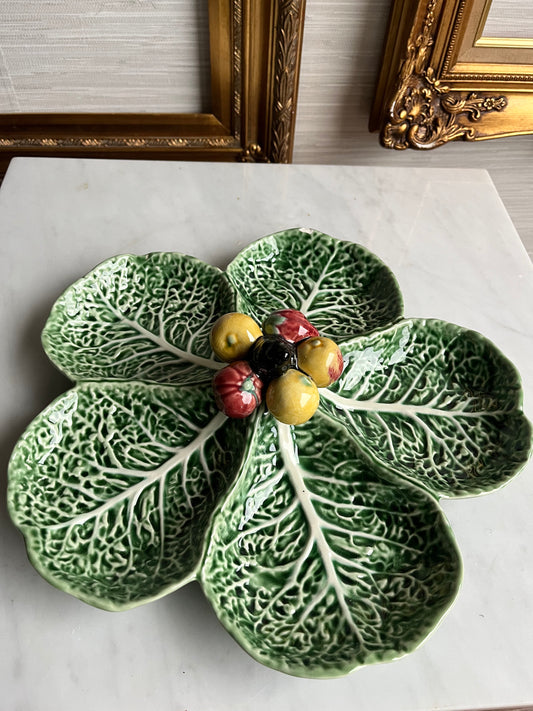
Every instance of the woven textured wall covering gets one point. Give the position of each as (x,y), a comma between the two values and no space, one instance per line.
(509,18)
(104,55)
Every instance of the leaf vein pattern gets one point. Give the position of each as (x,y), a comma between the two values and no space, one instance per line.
(159,340)
(343,289)
(305,306)
(315,524)
(157,476)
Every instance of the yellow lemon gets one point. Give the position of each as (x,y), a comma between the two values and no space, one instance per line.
(232,335)
(321,359)
(292,398)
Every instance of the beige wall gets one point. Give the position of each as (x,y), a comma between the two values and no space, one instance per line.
(509,18)
(104,55)
(341,56)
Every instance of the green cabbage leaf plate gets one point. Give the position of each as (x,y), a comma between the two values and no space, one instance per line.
(321,547)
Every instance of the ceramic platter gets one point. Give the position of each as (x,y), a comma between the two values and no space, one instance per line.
(322,546)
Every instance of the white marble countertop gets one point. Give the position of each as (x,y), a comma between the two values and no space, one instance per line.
(456,255)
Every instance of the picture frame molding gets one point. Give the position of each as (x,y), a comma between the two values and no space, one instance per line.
(441,80)
(255,51)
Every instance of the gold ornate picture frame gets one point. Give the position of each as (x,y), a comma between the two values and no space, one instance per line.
(442,79)
(255,50)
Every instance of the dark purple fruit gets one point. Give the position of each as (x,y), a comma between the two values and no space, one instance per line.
(271,356)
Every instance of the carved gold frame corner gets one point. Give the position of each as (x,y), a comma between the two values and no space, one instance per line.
(255,50)
(442,80)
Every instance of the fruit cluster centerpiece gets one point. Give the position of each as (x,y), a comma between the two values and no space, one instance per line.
(320,546)
(288,359)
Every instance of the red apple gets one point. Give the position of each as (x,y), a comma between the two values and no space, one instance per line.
(290,324)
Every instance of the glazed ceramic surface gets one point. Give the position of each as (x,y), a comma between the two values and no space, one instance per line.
(321,546)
